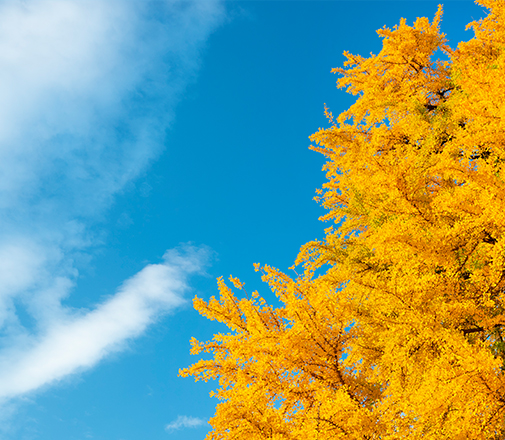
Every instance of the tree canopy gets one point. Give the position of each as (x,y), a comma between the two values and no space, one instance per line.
(396,327)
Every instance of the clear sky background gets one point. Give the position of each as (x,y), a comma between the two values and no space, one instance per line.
(147,148)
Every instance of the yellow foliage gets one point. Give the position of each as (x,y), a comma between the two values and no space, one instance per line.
(401,336)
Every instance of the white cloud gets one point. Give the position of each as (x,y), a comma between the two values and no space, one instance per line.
(80,341)
(185,422)
(88,89)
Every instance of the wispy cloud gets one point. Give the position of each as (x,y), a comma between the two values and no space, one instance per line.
(81,340)
(88,89)
(185,422)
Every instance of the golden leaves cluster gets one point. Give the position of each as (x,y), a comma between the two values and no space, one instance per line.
(396,328)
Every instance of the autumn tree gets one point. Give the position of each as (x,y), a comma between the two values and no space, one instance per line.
(396,327)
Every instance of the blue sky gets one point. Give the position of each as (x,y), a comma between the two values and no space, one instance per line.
(147,148)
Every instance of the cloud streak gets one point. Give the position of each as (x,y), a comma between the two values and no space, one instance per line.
(88,90)
(185,422)
(81,341)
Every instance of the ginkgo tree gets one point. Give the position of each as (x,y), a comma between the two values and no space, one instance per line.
(396,327)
